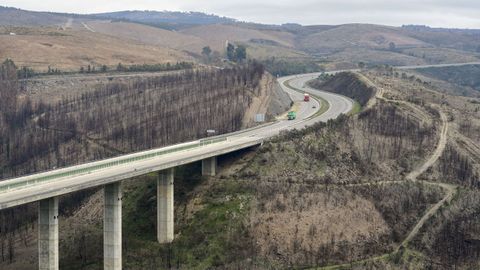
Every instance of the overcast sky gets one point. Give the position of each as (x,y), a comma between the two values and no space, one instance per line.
(439,13)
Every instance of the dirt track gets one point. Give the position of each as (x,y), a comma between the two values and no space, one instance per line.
(450,189)
(413,175)
(438,150)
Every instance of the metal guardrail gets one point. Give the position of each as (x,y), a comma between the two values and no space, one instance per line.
(17,183)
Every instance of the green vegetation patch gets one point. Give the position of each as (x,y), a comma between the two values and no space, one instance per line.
(212,234)
(216,230)
(357,108)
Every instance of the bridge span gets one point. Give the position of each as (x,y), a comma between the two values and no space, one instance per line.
(46,187)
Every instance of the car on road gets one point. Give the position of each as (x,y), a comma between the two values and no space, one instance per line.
(291,115)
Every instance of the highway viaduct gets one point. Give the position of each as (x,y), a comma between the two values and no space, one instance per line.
(45,188)
(48,186)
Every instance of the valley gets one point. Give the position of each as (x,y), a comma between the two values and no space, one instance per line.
(187,140)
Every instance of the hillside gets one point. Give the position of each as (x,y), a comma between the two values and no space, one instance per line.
(461,80)
(376,44)
(357,36)
(460,39)
(19,17)
(166,17)
(79,127)
(150,35)
(330,194)
(218,34)
(364,190)
(260,44)
(70,49)
(333,47)
(181,103)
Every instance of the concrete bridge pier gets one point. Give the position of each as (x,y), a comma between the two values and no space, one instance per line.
(48,234)
(112,227)
(209,166)
(165,210)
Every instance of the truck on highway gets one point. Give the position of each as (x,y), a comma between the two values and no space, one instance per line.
(291,115)
(306,97)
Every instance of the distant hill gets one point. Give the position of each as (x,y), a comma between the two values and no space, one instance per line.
(334,46)
(460,39)
(19,17)
(68,50)
(166,17)
(463,80)
(370,36)
(425,28)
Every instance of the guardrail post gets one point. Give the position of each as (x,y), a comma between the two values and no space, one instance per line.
(48,234)
(209,166)
(112,227)
(165,210)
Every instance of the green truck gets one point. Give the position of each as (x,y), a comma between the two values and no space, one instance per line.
(291,115)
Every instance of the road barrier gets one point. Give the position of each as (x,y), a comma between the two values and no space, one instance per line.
(29,180)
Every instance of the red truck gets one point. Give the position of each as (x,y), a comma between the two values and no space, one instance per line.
(306,97)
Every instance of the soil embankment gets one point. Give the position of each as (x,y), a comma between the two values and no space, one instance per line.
(348,84)
(270,101)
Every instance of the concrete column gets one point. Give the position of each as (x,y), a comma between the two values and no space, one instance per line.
(209,166)
(112,227)
(165,212)
(48,234)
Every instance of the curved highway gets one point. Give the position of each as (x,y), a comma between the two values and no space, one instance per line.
(338,104)
(66,180)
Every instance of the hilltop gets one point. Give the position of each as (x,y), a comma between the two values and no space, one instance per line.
(169,19)
(19,17)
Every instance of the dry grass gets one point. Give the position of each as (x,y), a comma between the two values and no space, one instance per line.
(356,55)
(68,50)
(442,55)
(308,218)
(216,35)
(358,35)
(194,39)
(150,35)
(264,52)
